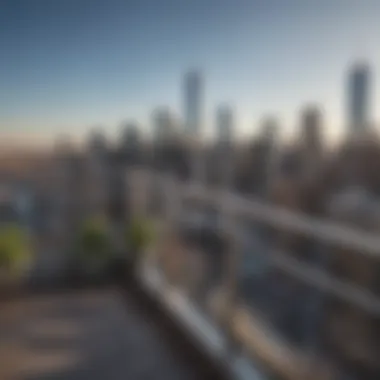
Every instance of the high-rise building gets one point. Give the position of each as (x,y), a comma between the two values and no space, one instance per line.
(163,125)
(311,142)
(95,170)
(165,138)
(193,97)
(130,136)
(130,143)
(358,93)
(224,149)
(224,121)
(311,120)
(268,159)
(97,144)
(193,104)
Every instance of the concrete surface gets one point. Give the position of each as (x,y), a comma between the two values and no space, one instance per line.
(86,334)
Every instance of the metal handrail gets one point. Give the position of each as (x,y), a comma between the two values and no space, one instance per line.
(233,207)
(364,243)
(336,234)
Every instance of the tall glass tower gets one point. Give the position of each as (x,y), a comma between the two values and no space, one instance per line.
(224,163)
(193,104)
(193,97)
(224,120)
(358,93)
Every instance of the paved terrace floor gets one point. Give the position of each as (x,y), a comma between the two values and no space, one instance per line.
(85,334)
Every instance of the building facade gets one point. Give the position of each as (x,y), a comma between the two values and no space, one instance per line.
(193,98)
(358,98)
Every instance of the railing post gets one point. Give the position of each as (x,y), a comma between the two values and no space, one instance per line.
(231,265)
(232,346)
(170,210)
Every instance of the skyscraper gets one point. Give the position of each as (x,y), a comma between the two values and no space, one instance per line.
(311,142)
(129,136)
(311,127)
(130,142)
(224,158)
(97,143)
(358,93)
(163,125)
(193,99)
(224,121)
(268,162)
(193,88)
(165,138)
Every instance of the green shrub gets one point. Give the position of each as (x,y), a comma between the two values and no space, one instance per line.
(93,245)
(15,249)
(139,235)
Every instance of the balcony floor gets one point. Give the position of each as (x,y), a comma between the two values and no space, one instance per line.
(86,334)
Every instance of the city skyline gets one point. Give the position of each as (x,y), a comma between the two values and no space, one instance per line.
(69,66)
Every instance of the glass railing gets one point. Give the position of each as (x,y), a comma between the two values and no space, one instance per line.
(281,294)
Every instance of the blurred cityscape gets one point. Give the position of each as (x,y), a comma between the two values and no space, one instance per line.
(52,192)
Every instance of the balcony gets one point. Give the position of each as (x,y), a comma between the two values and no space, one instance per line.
(226,283)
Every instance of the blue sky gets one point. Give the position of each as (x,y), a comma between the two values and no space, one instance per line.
(69,65)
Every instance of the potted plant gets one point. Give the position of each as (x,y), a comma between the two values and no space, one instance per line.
(93,252)
(15,254)
(139,237)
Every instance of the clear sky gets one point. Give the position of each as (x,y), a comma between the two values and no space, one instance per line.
(72,64)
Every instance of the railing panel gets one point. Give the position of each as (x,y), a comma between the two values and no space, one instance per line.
(272,281)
